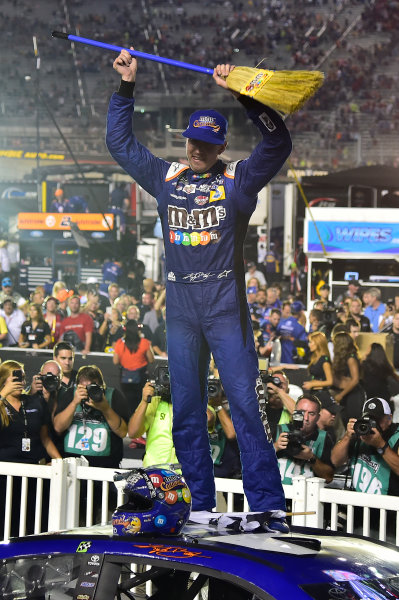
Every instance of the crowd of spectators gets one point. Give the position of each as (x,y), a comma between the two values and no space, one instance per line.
(334,421)
(345,417)
(337,378)
(358,93)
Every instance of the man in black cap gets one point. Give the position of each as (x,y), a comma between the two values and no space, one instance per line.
(371,447)
(351,292)
(205,207)
(252,271)
(323,293)
(328,413)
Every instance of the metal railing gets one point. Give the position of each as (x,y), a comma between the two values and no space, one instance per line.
(56,501)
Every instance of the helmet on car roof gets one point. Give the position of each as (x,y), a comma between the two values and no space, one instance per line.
(159,501)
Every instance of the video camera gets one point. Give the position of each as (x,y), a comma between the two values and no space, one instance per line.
(295,436)
(161,381)
(365,425)
(329,318)
(50,382)
(215,387)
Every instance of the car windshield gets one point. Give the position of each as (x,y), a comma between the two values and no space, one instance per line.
(89,576)
(51,576)
(355,588)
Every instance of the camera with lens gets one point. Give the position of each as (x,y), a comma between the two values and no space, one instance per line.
(295,436)
(214,387)
(267,378)
(95,392)
(161,381)
(365,425)
(329,317)
(50,382)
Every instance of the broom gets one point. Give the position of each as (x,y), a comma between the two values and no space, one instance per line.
(285,91)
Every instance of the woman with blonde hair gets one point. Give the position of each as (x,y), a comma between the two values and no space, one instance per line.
(346,373)
(35,331)
(24,419)
(253,282)
(319,369)
(24,434)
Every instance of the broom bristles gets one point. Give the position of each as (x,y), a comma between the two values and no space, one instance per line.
(285,91)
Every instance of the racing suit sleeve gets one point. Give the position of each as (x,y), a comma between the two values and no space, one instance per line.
(253,173)
(148,170)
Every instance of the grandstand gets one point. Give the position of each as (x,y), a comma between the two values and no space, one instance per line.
(353,120)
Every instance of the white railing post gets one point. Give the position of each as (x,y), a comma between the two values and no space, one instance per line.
(73,490)
(57,496)
(8,510)
(313,487)
(299,499)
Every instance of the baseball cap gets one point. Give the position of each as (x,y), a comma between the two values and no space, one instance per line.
(332,406)
(64,295)
(58,192)
(6,281)
(208,126)
(251,264)
(92,280)
(378,407)
(297,306)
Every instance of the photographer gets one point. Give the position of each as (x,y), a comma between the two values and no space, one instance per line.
(371,445)
(154,417)
(223,438)
(302,448)
(46,384)
(280,405)
(92,419)
(322,320)
(24,428)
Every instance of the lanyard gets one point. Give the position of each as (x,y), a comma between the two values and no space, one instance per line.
(24,417)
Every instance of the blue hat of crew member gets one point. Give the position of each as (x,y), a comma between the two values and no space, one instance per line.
(208,126)
(297,306)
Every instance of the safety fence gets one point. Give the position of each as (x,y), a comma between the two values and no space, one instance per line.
(68,494)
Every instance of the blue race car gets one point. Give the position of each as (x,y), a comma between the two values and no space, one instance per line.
(203,561)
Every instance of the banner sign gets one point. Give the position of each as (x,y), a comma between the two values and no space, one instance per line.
(353,237)
(25,154)
(62,221)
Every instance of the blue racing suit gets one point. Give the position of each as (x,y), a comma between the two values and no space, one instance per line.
(204,220)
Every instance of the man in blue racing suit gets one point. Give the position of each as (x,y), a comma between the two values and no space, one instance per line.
(204,210)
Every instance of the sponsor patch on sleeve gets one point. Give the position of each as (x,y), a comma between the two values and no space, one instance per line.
(267,122)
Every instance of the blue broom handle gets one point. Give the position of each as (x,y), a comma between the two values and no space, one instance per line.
(161,59)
